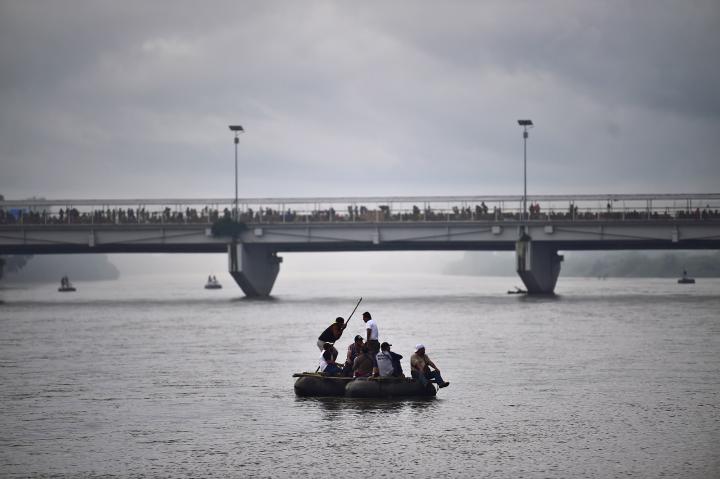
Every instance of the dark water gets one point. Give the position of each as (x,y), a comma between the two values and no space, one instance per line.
(156,377)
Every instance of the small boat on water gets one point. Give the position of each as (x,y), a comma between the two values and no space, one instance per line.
(65,285)
(517,291)
(213,283)
(686,279)
(319,385)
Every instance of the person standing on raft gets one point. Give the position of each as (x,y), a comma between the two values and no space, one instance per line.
(372,335)
(331,334)
(372,343)
(420,365)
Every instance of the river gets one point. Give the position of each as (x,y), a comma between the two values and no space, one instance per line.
(153,376)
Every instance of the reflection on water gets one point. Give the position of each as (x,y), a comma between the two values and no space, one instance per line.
(165,379)
(359,406)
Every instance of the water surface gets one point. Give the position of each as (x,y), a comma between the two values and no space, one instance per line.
(156,377)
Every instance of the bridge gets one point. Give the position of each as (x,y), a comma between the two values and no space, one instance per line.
(260,228)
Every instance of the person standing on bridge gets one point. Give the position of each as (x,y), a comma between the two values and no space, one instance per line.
(331,334)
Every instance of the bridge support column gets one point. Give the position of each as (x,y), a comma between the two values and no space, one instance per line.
(254,268)
(538,265)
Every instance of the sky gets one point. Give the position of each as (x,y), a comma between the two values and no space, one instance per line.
(132,99)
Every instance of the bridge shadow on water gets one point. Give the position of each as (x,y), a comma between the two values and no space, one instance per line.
(410,299)
(538,298)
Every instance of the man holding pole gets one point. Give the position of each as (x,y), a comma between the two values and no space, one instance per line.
(331,334)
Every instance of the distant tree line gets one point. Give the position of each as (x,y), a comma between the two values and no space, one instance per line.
(50,268)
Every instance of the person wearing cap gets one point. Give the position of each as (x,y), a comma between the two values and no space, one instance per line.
(352,353)
(384,361)
(420,365)
(331,334)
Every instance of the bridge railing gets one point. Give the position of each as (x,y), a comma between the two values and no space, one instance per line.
(565,208)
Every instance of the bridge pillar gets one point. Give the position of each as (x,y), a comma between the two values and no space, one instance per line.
(254,268)
(538,265)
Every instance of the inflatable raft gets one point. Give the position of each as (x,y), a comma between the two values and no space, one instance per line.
(315,384)
(65,285)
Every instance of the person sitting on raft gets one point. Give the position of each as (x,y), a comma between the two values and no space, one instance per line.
(363,364)
(352,352)
(420,365)
(327,363)
(331,334)
(388,362)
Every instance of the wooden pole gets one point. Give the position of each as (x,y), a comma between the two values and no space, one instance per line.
(353,312)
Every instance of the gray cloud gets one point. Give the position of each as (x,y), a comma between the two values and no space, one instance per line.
(133,98)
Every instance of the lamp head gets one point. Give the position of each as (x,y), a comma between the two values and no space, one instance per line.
(525,122)
(236,128)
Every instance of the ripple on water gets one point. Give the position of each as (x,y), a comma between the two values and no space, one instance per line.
(131,380)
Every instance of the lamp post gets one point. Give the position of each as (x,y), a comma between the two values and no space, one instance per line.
(237,129)
(525,124)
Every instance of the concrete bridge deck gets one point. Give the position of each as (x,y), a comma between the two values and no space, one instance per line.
(272,226)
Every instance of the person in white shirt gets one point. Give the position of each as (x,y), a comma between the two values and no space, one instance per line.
(385,361)
(327,363)
(372,333)
(372,336)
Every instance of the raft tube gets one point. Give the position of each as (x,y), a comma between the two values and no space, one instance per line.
(314,384)
(387,388)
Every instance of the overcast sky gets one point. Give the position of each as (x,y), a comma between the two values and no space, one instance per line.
(102,99)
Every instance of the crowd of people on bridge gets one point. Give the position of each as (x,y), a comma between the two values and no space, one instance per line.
(355,213)
(72,215)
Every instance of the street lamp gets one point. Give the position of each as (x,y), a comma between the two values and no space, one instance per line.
(237,129)
(525,124)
